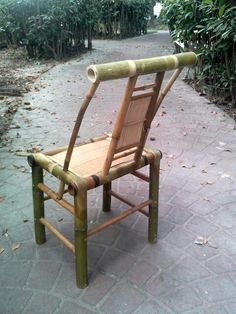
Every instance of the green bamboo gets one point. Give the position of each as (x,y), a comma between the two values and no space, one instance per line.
(80,225)
(38,203)
(106,207)
(130,68)
(153,196)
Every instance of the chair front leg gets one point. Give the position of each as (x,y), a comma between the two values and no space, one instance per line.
(106,205)
(80,225)
(153,196)
(38,203)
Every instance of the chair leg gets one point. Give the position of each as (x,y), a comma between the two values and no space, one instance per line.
(38,202)
(106,206)
(80,201)
(153,196)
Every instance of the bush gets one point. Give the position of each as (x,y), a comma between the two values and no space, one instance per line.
(209,28)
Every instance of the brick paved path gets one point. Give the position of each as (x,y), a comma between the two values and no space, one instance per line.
(127,275)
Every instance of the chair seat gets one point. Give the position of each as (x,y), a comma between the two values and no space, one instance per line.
(89,159)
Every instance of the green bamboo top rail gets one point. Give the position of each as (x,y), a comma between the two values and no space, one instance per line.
(130,68)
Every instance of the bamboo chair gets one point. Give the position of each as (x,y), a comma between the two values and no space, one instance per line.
(101,160)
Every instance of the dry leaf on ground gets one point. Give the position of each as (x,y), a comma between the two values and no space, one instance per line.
(15,246)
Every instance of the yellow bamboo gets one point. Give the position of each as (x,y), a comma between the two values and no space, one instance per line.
(130,68)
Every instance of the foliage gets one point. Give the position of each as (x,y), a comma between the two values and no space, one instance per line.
(55,28)
(208,27)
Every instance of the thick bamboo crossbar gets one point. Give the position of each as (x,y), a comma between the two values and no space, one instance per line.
(63,239)
(126,201)
(144,87)
(52,195)
(125,153)
(135,97)
(119,217)
(140,175)
(130,68)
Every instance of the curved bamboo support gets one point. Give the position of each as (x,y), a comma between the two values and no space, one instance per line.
(74,135)
(130,68)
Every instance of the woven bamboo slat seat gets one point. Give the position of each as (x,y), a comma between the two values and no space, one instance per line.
(99,161)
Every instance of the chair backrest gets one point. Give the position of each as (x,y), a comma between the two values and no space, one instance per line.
(133,120)
(136,111)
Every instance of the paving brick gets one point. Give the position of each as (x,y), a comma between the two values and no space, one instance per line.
(42,303)
(131,242)
(124,299)
(217,288)
(221,264)
(116,262)
(151,307)
(184,199)
(95,252)
(141,272)
(179,215)
(188,270)
(99,286)
(161,254)
(14,273)
(13,300)
(231,307)
(69,307)
(161,284)
(180,238)
(66,282)
(182,299)
(201,226)
(107,236)
(224,242)
(43,275)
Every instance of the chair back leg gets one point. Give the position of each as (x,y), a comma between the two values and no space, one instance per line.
(106,205)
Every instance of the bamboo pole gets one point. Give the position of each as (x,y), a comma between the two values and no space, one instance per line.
(38,202)
(63,239)
(126,201)
(149,116)
(130,68)
(74,135)
(119,217)
(106,204)
(153,196)
(166,89)
(118,126)
(52,195)
(140,175)
(80,234)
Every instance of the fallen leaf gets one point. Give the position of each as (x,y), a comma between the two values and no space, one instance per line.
(206,199)
(4,233)
(152,138)
(204,171)
(212,163)
(207,183)
(2,199)
(1,250)
(15,246)
(162,113)
(222,143)
(225,175)
(201,241)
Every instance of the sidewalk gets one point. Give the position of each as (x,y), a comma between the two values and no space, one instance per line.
(127,274)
